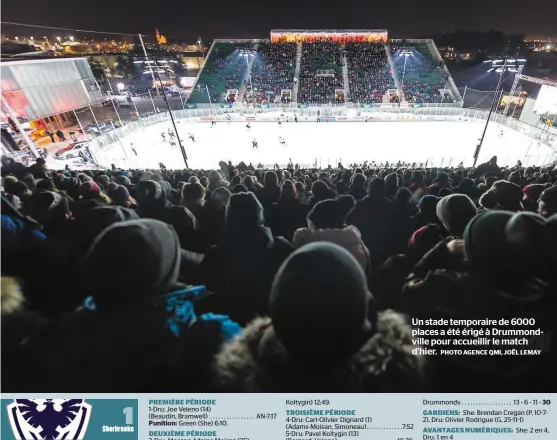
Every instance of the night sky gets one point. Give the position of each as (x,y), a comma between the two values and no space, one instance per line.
(254,19)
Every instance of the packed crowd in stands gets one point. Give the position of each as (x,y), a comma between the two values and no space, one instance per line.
(246,279)
(420,76)
(320,89)
(369,72)
(272,71)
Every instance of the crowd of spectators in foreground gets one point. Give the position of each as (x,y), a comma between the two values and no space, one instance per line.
(281,280)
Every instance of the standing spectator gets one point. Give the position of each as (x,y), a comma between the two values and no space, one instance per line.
(241,267)
(288,214)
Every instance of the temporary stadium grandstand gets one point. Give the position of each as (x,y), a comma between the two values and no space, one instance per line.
(322,67)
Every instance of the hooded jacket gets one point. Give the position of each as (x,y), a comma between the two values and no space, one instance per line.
(257,362)
(240,270)
(349,238)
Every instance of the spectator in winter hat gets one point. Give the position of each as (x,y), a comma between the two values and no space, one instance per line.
(427,211)
(502,195)
(92,222)
(357,187)
(121,197)
(270,193)
(52,210)
(103,181)
(241,267)
(320,191)
(326,222)
(84,177)
(193,198)
(319,304)
(72,187)
(151,252)
(153,203)
(137,313)
(214,215)
(531,194)
(288,214)
(240,188)
(442,181)
(455,211)
(547,204)
(215,181)
(123,180)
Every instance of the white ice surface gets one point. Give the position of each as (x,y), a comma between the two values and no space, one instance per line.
(437,142)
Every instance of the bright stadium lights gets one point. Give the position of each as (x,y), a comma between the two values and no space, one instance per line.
(121,86)
(491,70)
(521,60)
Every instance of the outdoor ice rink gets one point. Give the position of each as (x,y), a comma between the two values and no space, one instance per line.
(437,143)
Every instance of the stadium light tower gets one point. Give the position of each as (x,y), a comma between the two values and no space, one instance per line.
(246,53)
(405,53)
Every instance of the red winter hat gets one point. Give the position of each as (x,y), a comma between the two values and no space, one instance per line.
(89,190)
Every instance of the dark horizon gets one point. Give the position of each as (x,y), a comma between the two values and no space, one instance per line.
(255,19)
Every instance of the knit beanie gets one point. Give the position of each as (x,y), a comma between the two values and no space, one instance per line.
(89,190)
(288,190)
(103,180)
(132,261)
(549,197)
(122,180)
(45,185)
(428,204)
(84,177)
(327,214)
(120,195)
(240,188)
(244,210)
(49,206)
(532,238)
(319,304)
(148,190)
(455,211)
(222,194)
(487,247)
(502,195)
(376,187)
(533,191)
(93,221)
(423,240)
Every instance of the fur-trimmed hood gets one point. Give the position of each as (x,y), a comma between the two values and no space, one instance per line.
(257,362)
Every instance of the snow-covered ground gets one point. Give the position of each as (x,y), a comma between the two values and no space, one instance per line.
(435,142)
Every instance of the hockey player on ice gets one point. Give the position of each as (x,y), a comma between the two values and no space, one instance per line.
(213,123)
(281,140)
(248,126)
(191,137)
(255,145)
(163,137)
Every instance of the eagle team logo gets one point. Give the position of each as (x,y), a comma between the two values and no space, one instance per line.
(49,419)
